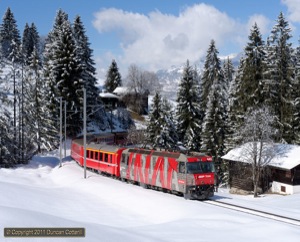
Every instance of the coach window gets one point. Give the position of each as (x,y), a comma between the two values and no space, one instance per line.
(88,154)
(96,155)
(101,156)
(181,167)
(106,157)
(92,154)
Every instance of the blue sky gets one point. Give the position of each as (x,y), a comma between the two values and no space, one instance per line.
(157,34)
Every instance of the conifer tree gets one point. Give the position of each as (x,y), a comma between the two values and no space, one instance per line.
(213,126)
(113,78)
(9,34)
(254,66)
(154,125)
(247,90)
(63,74)
(188,115)
(229,73)
(234,109)
(210,73)
(30,41)
(87,72)
(168,138)
(296,98)
(39,126)
(161,130)
(278,89)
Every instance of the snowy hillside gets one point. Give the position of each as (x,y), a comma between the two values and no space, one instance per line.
(43,195)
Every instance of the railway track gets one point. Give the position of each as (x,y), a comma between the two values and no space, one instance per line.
(255,212)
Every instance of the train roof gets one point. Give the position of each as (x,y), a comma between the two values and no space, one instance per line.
(98,146)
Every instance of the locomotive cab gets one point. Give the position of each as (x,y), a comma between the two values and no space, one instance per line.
(198,175)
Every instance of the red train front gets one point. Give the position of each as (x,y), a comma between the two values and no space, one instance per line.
(191,175)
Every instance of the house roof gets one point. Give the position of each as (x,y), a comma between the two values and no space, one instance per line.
(108,95)
(121,90)
(287,156)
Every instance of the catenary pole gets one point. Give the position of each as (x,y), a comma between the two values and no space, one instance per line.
(84,130)
(65,146)
(60,132)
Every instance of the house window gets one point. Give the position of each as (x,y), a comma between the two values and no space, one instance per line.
(283,189)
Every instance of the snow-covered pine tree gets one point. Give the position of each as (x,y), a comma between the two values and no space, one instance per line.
(8,147)
(247,89)
(253,71)
(278,90)
(168,136)
(95,109)
(113,77)
(48,70)
(188,113)
(30,40)
(229,75)
(213,126)
(161,129)
(63,73)
(229,72)
(209,74)
(154,126)
(7,138)
(9,34)
(296,98)
(38,125)
(234,110)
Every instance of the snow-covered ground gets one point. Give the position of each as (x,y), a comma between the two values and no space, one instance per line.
(42,194)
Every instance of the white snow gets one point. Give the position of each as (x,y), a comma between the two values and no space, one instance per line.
(42,194)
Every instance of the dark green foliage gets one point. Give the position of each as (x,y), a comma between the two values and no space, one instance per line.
(213,126)
(30,41)
(188,115)
(247,90)
(9,35)
(113,78)
(161,130)
(280,70)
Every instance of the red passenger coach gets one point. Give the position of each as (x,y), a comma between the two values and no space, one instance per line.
(100,157)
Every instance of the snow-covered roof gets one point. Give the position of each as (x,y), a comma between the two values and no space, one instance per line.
(287,156)
(108,95)
(121,90)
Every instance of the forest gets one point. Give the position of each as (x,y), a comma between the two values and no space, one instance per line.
(212,104)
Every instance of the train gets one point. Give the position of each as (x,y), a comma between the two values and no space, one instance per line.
(188,174)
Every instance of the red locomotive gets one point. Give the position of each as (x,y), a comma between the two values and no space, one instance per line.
(191,175)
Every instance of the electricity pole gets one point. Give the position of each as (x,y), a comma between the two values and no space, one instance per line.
(60,132)
(65,129)
(84,130)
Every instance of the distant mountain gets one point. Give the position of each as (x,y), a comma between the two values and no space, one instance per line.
(170,78)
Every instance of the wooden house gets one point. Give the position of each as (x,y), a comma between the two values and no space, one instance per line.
(137,102)
(280,175)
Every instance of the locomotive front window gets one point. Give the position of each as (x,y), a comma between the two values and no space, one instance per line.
(200,167)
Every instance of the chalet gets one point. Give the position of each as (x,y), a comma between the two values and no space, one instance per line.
(110,100)
(137,102)
(281,174)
